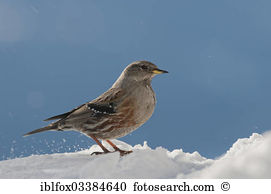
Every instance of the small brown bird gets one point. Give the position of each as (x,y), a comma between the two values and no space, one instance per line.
(127,105)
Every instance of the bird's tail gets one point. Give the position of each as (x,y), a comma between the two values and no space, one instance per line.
(47,128)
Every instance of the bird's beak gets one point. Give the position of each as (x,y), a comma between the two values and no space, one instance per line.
(159,71)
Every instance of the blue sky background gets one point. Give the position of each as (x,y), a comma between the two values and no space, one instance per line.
(56,55)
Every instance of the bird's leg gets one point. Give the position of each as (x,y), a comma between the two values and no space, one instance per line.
(122,152)
(101,145)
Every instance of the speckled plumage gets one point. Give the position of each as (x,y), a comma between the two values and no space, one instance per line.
(127,105)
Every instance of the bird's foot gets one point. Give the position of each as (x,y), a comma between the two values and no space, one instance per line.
(122,152)
(98,153)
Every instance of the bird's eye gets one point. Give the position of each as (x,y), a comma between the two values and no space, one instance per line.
(144,67)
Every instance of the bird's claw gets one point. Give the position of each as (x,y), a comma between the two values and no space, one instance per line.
(122,152)
(98,153)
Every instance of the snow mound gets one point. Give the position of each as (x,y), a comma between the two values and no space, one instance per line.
(247,158)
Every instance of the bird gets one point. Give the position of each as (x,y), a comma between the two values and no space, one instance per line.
(123,108)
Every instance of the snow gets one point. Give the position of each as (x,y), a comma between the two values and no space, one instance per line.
(247,158)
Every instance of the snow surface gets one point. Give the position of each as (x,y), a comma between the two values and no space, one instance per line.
(247,158)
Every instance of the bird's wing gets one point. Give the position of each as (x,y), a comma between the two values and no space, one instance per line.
(104,104)
(64,115)
(111,95)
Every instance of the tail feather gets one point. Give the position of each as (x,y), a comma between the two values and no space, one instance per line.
(47,128)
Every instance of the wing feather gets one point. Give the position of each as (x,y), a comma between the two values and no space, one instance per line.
(104,104)
(64,115)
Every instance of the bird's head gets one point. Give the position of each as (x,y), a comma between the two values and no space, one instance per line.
(136,72)
(142,70)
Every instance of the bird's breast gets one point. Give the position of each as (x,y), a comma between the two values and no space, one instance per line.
(145,104)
